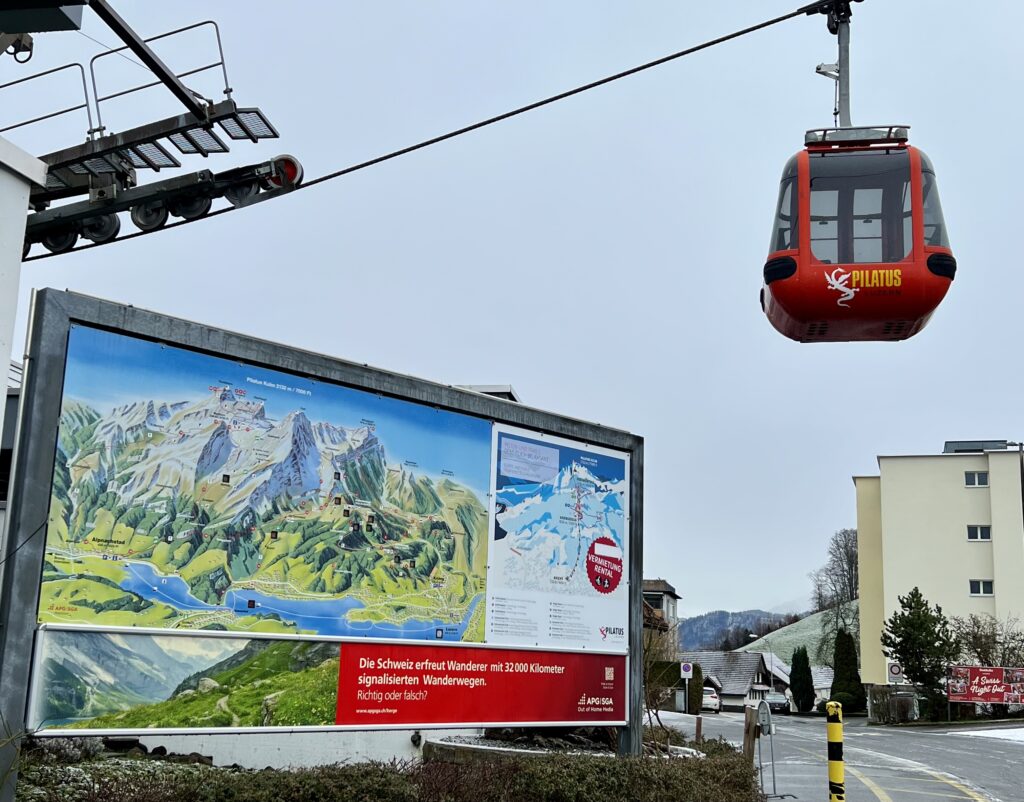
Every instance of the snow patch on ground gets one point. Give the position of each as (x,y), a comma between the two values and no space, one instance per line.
(1010,734)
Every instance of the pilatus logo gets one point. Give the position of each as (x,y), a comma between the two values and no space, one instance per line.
(839,280)
(614,631)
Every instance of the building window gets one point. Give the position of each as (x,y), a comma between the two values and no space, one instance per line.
(981,587)
(976,478)
(979,532)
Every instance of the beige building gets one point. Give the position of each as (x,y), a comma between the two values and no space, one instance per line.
(951,524)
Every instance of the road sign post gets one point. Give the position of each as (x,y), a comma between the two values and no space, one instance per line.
(686,674)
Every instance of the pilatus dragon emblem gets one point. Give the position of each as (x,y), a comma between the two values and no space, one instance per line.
(839,280)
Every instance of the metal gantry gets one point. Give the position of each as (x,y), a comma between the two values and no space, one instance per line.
(104,171)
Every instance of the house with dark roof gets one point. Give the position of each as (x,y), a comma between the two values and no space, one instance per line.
(741,678)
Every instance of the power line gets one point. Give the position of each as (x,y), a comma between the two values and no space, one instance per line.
(812,8)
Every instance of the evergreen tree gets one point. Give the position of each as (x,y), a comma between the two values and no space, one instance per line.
(696,696)
(847,677)
(919,637)
(800,681)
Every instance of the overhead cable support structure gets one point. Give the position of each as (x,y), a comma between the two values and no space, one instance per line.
(106,167)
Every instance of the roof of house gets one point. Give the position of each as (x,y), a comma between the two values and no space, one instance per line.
(735,671)
(660,586)
(777,666)
(822,676)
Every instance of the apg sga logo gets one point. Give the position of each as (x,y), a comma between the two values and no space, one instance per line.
(615,632)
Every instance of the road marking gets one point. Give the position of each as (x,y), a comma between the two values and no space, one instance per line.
(926,793)
(959,787)
(870,784)
(882,796)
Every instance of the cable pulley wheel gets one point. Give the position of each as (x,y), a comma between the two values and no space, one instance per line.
(241,194)
(60,241)
(191,208)
(102,229)
(149,216)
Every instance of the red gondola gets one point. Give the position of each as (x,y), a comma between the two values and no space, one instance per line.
(860,249)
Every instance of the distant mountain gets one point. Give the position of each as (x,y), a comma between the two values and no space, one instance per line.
(707,631)
(266,683)
(95,673)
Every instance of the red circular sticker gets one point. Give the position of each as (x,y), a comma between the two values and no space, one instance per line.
(604,565)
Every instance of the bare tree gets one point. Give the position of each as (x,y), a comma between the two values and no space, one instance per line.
(661,673)
(836,581)
(986,641)
(834,588)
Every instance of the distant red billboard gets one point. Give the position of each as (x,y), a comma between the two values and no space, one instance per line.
(985,685)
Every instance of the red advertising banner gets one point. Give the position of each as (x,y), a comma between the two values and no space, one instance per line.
(983,685)
(398,685)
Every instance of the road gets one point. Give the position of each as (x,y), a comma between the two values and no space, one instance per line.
(883,764)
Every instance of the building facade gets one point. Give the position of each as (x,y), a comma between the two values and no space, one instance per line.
(951,524)
(661,598)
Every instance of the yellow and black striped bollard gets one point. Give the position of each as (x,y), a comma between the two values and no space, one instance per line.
(834,733)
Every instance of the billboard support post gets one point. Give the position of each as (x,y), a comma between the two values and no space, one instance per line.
(54,314)
(25,541)
(631,737)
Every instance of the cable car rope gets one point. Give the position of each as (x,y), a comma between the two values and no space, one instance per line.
(823,6)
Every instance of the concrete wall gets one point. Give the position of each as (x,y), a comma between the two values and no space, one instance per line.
(300,748)
(912,532)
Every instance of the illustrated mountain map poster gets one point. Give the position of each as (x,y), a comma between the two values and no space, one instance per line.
(195,492)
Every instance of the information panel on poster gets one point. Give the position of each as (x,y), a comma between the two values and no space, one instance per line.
(985,685)
(558,554)
(434,685)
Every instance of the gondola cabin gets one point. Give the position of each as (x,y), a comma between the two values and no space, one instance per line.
(859,249)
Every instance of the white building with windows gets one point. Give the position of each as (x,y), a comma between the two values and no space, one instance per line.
(951,524)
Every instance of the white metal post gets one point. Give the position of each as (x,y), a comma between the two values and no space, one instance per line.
(18,172)
(844,74)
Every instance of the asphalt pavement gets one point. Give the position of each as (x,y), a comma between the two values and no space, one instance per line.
(883,764)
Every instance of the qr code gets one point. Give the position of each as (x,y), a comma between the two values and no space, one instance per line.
(609,673)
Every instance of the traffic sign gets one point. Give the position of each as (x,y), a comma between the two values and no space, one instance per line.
(895,673)
(686,671)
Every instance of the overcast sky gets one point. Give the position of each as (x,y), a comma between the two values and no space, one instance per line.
(602,255)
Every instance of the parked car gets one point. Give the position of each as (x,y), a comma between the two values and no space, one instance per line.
(711,701)
(777,702)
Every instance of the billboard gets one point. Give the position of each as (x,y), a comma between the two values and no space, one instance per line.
(985,685)
(235,543)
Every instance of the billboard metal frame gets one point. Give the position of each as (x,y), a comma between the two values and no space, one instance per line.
(53,313)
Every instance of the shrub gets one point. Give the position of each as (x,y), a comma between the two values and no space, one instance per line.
(845,699)
(62,750)
(723,776)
